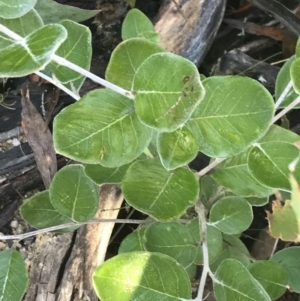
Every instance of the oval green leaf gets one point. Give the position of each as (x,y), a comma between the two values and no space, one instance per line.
(172,239)
(235,112)
(36,51)
(177,148)
(22,26)
(268,162)
(40,213)
(233,248)
(13,276)
(127,58)
(15,8)
(164,195)
(271,275)
(135,23)
(168,100)
(73,194)
(295,74)
(102,128)
(133,241)
(77,49)
(289,259)
(141,276)
(214,241)
(231,215)
(234,282)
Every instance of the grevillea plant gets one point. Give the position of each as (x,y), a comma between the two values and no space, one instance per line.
(140,133)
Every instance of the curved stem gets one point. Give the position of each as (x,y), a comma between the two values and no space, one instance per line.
(210,167)
(284,94)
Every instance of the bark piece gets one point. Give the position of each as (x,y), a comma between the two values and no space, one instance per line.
(39,139)
(188,27)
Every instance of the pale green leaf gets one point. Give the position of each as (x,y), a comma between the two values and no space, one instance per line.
(150,35)
(257,202)
(135,23)
(166,96)
(10,9)
(33,53)
(77,49)
(214,241)
(40,213)
(22,26)
(233,248)
(127,58)
(268,162)
(235,112)
(131,2)
(210,190)
(133,241)
(282,80)
(173,239)
(177,148)
(73,194)
(59,12)
(289,259)
(271,275)
(164,195)
(13,276)
(102,128)
(295,74)
(231,215)
(141,276)
(234,282)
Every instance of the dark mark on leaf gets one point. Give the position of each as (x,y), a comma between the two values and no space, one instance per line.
(186,79)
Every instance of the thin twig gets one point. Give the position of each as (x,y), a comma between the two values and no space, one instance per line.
(283,95)
(286,109)
(274,247)
(200,209)
(210,166)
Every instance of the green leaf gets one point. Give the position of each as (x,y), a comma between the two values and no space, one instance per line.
(295,71)
(172,239)
(73,194)
(150,35)
(127,58)
(231,215)
(235,112)
(289,259)
(35,51)
(133,241)
(15,8)
(105,175)
(282,80)
(271,275)
(40,213)
(59,12)
(131,2)
(102,128)
(177,148)
(141,276)
(13,276)
(268,162)
(210,190)
(214,241)
(135,23)
(166,96)
(22,26)
(76,49)
(234,282)
(164,195)
(257,202)
(234,174)
(233,248)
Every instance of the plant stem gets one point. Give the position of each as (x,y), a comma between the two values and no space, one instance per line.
(200,209)
(284,94)
(93,77)
(209,167)
(68,225)
(286,109)
(57,84)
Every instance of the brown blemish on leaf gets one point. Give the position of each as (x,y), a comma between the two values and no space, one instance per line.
(186,79)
